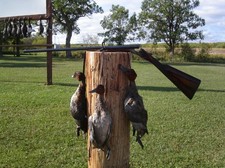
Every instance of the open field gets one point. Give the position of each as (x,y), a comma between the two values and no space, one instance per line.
(212,51)
(37,130)
(218,51)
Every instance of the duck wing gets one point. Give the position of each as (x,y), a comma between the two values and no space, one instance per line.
(78,104)
(134,108)
(100,128)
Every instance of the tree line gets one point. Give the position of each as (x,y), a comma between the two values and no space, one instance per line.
(169,21)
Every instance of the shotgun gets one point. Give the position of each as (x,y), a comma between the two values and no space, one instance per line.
(101,48)
(183,81)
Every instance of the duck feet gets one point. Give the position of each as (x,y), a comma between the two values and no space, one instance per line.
(138,139)
(134,131)
(108,153)
(78,131)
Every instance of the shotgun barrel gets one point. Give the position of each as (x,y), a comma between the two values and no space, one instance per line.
(183,81)
(103,48)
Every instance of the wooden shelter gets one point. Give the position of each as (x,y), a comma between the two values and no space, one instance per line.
(48,17)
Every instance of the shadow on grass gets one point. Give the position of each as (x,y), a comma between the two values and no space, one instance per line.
(64,84)
(21,81)
(32,58)
(41,83)
(197,64)
(174,89)
(211,90)
(185,63)
(22,65)
(22,61)
(158,88)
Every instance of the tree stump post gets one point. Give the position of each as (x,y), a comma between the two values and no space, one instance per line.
(102,68)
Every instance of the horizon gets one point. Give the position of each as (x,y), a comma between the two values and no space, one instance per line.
(211,11)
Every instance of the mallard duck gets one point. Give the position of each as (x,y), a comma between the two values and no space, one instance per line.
(78,106)
(134,106)
(4,32)
(19,29)
(41,28)
(29,29)
(24,28)
(14,28)
(9,28)
(100,123)
(48,29)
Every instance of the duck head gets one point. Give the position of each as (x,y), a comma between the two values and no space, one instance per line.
(79,76)
(130,73)
(99,90)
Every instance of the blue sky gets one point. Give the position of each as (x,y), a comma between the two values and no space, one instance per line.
(211,10)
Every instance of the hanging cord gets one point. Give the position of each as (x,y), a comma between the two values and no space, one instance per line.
(84,61)
(103,45)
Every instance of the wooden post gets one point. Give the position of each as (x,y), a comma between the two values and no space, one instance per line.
(49,41)
(102,68)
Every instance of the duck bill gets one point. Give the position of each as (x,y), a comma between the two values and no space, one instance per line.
(93,91)
(122,68)
(75,75)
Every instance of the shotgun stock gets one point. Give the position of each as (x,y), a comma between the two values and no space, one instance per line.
(185,82)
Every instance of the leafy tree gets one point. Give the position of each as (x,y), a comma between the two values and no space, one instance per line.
(171,21)
(118,25)
(2,25)
(67,12)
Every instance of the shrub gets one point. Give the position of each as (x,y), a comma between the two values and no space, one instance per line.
(203,54)
(187,53)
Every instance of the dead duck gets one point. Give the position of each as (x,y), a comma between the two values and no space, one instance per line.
(134,106)
(14,28)
(19,30)
(48,29)
(4,32)
(9,28)
(41,28)
(78,106)
(29,29)
(100,123)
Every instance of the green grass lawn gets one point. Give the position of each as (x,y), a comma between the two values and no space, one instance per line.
(36,129)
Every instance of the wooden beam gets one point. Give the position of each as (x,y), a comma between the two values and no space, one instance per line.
(47,16)
(32,17)
(26,45)
(49,41)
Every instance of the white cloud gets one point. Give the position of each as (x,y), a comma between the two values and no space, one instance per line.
(214,15)
(210,10)
(92,25)
(22,7)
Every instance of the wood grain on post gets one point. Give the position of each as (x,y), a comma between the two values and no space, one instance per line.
(102,68)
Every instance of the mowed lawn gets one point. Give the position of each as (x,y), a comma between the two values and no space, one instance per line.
(36,129)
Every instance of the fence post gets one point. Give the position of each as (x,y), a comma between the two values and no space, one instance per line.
(49,41)
(102,68)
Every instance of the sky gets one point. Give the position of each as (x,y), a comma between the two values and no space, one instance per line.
(210,10)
